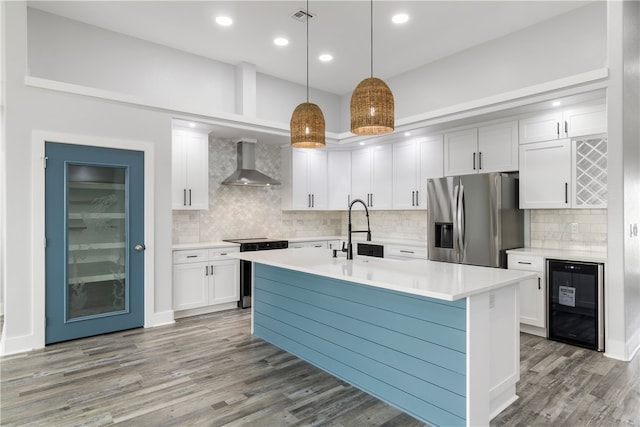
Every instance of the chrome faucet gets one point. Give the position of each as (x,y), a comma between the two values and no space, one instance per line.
(349,249)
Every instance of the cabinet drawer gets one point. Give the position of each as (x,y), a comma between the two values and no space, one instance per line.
(221,253)
(526,262)
(405,252)
(194,255)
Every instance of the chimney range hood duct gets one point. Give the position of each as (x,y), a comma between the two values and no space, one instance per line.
(246,173)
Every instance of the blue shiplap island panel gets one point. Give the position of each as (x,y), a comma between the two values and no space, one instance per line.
(407,350)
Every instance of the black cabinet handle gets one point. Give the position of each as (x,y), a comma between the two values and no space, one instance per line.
(192,256)
(558,128)
(184,197)
(313,200)
(566,127)
(480,160)
(539,287)
(566,192)
(474,161)
(406,252)
(206,270)
(189,197)
(413,198)
(522,262)
(308,200)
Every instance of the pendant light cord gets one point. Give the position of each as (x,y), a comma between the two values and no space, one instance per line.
(307,11)
(371,28)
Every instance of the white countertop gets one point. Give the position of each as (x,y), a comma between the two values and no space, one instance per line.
(563,254)
(205,245)
(420,277)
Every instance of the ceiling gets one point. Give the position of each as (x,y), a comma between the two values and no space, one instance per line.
(435,30)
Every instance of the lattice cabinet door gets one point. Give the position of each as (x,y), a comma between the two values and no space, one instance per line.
(589,172)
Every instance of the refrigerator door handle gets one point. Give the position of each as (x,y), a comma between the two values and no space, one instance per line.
(460,216)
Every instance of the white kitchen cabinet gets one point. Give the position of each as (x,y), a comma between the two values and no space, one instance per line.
(321,244)
(304,182)
(491,148)
(578,121)
(405,252)
(545,175)
(498,147)
(205,278)
(414,162)
(190,170)
(338,180)
(533,293)
(460,152)
(372,175)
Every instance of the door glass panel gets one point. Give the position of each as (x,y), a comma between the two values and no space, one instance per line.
(96,251)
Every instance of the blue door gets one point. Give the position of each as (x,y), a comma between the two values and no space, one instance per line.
(94,220)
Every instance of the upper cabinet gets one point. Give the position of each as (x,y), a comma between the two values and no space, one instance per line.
(339,179)
(545,175)
(574,122)
(492,148)
(414,162)
(371,176)
(190,170)
(304,179)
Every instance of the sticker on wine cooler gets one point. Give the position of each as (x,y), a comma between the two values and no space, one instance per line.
(567,296)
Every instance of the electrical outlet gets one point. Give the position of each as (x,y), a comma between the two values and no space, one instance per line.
(574,230)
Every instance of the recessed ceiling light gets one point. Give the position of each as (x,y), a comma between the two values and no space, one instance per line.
(362,143)
(407,134)
(400,18)
(225,21)
(325,57)
(280,41)
(556,103)
(191,124)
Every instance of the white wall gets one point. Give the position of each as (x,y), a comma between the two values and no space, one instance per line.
(30,109)
(623,250)
(569,44)
(65,50)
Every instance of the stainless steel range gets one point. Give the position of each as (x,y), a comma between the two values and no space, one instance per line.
(247,245)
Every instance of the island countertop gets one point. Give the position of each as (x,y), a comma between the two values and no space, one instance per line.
(433,279)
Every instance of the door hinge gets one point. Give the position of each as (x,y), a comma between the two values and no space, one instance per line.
(44,161)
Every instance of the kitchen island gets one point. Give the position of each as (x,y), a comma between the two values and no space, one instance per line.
(439,341)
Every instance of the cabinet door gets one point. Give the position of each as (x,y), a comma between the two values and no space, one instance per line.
(190,170)
(588,120)
(533,301)
(190,285)
(431,152)
(361,174)
(179,170)
(338,180)
(544,127)
(545,174)
(300,195)
(382,178)
(405,175)
(225,282)
(460,152)
(197,171)
(317,178)
(498,147)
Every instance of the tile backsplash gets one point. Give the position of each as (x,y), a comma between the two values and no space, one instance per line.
(552,229)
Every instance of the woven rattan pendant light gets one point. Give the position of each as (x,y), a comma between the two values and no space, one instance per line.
(372,105)
(307,121)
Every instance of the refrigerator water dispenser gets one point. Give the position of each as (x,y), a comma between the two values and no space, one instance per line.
(444,235)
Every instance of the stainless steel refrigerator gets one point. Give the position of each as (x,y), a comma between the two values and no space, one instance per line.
(474,219)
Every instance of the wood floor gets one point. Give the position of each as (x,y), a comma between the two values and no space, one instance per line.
(209,370)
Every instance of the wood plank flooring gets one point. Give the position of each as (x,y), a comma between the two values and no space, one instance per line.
(208,370)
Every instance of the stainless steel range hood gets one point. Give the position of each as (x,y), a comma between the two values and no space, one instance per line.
(246,173)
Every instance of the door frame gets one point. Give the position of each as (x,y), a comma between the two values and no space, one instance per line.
(38,139)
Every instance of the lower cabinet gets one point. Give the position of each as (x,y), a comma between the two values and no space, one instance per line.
(533,294)
(205,277)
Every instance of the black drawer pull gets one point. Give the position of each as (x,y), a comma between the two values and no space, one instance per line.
(523,262)
(192,256)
